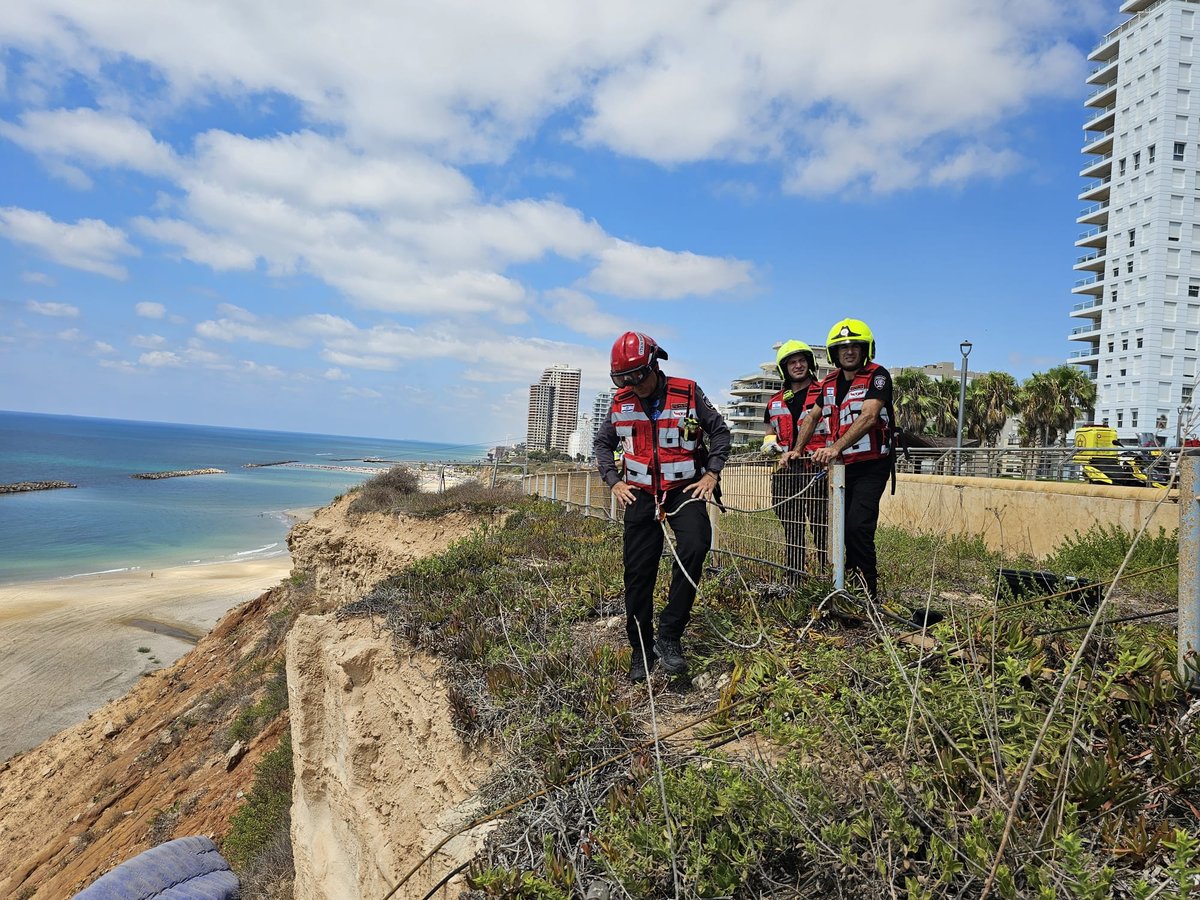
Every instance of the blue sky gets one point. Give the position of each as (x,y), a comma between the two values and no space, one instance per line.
(386,219)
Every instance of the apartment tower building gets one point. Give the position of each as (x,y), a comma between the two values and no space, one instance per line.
(553,409)
(745,413)
(1137,313)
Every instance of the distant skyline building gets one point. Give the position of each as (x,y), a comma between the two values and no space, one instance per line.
(1137,313)
(601,410)
(580,442)
(553,409)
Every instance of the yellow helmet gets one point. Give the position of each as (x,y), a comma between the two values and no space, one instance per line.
(850,331)
(792,348)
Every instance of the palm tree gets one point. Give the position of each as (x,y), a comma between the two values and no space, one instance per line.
(914,400)
(991,399)
(944,422)
(1051,401)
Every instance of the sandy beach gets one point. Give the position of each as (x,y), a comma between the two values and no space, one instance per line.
(70,645)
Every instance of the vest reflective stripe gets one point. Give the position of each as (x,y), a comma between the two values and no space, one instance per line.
(644,439)
(680,471)
(637,473)
(837,417)
(781,421)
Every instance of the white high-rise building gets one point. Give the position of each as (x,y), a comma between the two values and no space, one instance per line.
(1138,312)
(553,409)
(601,410)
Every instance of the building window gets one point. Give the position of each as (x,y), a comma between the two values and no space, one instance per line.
(1132,237)
(1120,420)
(1150,155)
(1194,290)
(1129,267)
(1124,346)
(1133,419)
(1112,297)
(1121,167)
(1179,148)
(1139,343)
(1137,160)
(1110,346)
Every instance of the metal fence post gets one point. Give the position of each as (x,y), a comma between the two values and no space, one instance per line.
(837,523)
(554,488)
(612,506)
(1188,633)
(587,495)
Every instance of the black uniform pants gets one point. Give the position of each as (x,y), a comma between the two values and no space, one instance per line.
(643,549)
(865,483)
(800,496)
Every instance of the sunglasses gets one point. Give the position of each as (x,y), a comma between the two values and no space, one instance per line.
(632,378)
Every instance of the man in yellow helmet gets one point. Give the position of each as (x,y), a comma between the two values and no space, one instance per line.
(855,405)
(797,499)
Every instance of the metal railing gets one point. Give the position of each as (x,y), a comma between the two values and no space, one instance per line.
(1093,140)
(1096,112)
(773,526)
(1087,304)
(1015,463)
(1093,232)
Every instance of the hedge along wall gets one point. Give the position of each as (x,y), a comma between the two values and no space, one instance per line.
(1020,516)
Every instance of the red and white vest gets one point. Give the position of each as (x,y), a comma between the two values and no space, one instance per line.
(838,417)
(784,424)
(657,455)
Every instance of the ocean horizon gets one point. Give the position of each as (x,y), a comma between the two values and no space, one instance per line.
(115,523)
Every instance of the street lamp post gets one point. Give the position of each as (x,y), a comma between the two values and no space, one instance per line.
(965,349)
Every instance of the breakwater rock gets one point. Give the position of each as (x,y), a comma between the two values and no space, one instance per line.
(154,476)
(21,487)
(280,462)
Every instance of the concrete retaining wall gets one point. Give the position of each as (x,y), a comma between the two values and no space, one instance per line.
(1020,516)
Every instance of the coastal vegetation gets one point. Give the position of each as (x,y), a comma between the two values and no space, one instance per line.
(813,752)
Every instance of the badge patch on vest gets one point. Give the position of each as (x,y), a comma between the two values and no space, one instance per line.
(626,407)
(880,382)
(856,393)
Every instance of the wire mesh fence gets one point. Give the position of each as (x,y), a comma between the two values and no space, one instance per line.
(778,526)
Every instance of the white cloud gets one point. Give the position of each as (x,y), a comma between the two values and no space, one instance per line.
(630,270)
(71,335)
(368,393)
(53,310)
(123,366)
(159,359)
(335,374)
(38,278)
(89,244)
(262,370)
(148,341)
(91,136)
(148,310)
(103,347)
(580,313)
(213,250)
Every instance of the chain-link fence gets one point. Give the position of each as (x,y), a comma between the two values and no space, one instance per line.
(777,525)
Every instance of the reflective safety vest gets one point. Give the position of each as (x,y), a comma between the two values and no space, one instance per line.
(785,425)
(839,417)
(659,455)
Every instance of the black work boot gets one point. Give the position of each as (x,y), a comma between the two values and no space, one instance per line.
(638,670)
(671,654)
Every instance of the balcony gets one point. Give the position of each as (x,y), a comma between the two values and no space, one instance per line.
(1096,214)
(1100,120)
(1089,332)
(1097,168)
(1083,355)
(1093,285)
(1092,261)
(1135,6)
(1103,73)
(1094,237)
(1088,309)
(1096,190)
(1107,47)
(1103,95)
(1100,144)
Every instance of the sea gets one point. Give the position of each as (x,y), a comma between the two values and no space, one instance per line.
(114,523)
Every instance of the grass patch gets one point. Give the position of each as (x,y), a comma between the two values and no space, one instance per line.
(254,718)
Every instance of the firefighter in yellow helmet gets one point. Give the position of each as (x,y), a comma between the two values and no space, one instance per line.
(798,491)
(855,404)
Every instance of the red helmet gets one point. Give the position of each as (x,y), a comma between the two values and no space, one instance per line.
(634,357)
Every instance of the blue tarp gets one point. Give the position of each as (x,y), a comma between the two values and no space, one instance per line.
(187,868)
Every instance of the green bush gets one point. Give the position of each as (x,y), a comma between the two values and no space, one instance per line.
(385,491)
(266,814)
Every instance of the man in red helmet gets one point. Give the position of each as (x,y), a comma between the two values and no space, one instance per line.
(661,422)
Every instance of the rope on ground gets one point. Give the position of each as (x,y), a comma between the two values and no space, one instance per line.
(658,765)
